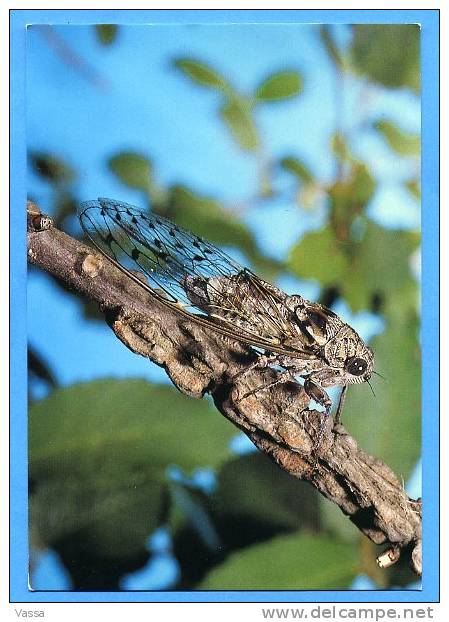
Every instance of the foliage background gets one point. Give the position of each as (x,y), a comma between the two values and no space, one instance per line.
(297,148)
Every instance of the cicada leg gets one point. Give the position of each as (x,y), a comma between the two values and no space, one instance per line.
(263,361)
(317,393)
(284,376)
(341,403)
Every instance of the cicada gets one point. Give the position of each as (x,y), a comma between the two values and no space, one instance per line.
(204,284)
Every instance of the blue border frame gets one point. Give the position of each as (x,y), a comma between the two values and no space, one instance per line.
(429,20)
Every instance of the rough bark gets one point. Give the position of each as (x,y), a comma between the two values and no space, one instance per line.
(278,421)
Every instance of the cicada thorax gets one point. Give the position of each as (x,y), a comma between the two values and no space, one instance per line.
(342,347)
(315,323)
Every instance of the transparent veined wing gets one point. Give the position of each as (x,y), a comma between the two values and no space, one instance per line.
(182,269)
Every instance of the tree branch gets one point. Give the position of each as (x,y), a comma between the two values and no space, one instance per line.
(278,421)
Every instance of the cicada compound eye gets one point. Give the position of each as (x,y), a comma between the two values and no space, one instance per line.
(356,366)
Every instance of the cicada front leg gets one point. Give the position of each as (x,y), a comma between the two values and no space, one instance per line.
(263,362)
(317,393)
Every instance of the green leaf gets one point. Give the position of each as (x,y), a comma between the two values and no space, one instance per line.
(352,191)
(51,168)
(132,169)
(202,74)
(279,86)
(236,114)
(319,256)
(98,454)
(381,266)
(388,54)
(404,143)
(388,426)
(252,489)
(106,33)
(340,147)
(254,500)
(349,198)
(290,562)
(297,168)
(336,524)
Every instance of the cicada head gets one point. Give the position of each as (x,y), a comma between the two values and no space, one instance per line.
(349,359)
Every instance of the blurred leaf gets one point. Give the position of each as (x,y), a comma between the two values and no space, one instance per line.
(388,426)
(209,219)
(106,33)
(132,169)
(376,265)
(336,524)
(40,368)
(297,168)
(254,501)
(402,142)
(381,265)
(65,207)
(54,169)
(98,454)
(319,256)
(414,187)
(388,53)
(252,490)
(330,45)
(380,268)
(289,562)
(349,197)
(351,192)
(191,506)
(279,86)
(237,116)
(362,185)
(202,74)
(340,147)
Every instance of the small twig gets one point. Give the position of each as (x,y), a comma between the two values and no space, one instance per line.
(278,421)
(72,58)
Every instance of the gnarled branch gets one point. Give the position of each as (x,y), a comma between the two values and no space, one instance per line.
(277,421)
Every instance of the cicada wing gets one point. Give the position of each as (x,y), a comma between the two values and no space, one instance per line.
(154,246)
(170,258)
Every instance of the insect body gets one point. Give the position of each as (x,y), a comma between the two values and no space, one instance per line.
(203,283)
